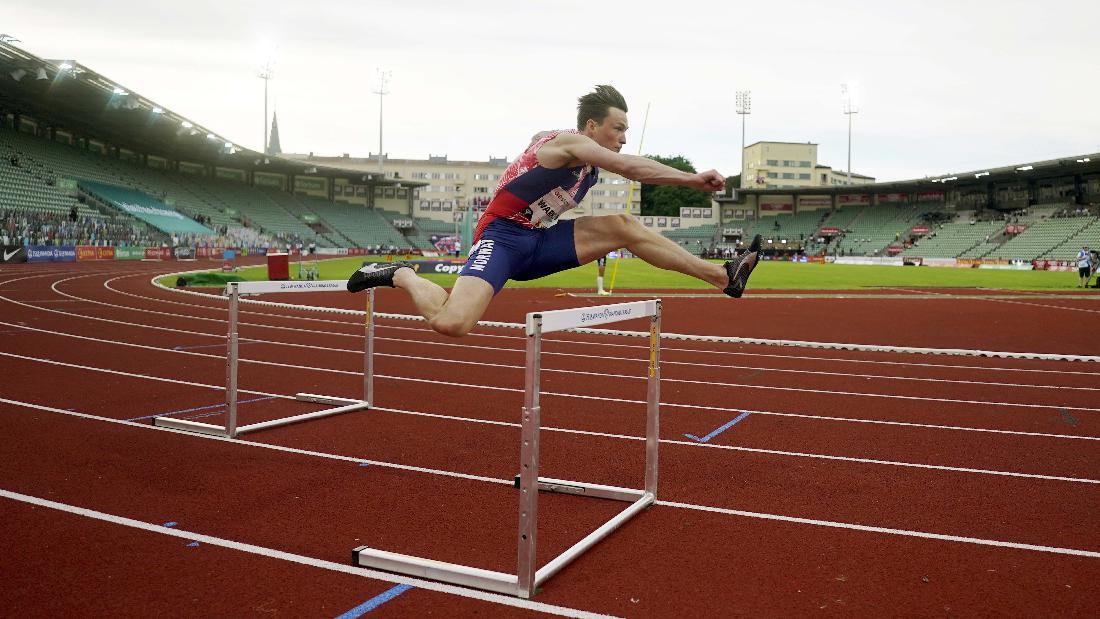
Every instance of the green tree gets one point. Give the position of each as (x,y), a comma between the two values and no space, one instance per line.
(667,200)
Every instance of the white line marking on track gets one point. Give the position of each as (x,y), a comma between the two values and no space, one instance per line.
(570,395)
(738,385)
(1060,307)
(584,432)
(575,342)
(888,531)
(331,566)
(686,506)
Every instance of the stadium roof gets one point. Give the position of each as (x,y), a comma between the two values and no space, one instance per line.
(68,95)
(974,180)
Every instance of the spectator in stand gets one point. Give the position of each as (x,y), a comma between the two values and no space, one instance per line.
(1085,266)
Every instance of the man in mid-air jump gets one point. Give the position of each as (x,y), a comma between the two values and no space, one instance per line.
(516,237)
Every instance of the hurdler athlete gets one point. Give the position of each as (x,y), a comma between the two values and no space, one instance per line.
(519,236)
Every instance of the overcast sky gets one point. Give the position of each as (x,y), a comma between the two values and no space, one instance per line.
(942,86)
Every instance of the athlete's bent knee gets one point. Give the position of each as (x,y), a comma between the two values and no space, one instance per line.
(450,326)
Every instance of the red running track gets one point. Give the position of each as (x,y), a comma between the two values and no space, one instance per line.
(859,484)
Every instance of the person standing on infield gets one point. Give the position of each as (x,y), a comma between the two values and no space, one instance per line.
(601,266)
(516,237)
(1084,266)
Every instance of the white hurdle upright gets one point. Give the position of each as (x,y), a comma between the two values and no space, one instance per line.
(343,405)
(528,576)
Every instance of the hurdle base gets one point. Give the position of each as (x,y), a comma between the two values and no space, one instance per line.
(348,406)
(487,580)
(325,399)
(563,486)
(190,426)
(454,573)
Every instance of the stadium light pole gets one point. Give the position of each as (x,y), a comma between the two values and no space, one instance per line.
(381,92)
(849,109)
(744,108)
(266,73)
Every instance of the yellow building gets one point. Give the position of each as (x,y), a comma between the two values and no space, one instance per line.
(769,165)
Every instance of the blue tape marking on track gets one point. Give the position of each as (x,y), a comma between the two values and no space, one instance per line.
(726,426)
(170,524)
(374,602)
(193,545)
(364,464)
(199,408)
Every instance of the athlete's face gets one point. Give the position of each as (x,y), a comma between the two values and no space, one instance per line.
(612,132)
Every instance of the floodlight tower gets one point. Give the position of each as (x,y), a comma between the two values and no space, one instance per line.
(381,92)
(848,98)
(267,72)
(744,108)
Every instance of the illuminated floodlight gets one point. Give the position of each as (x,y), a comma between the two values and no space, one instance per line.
(981,174)
(1025,168)
(64,66)
(1085,160)
(157,110)
(119,91)
(186,124)
(229,144)
(211,136)
(951,178)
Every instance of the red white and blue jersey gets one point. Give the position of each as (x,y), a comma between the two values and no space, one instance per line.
(533,196)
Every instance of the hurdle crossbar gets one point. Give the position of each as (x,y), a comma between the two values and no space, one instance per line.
(529,576)
(234,290)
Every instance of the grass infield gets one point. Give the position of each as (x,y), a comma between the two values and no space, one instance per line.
(635,274)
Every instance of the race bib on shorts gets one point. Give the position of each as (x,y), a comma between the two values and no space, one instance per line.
(546,210)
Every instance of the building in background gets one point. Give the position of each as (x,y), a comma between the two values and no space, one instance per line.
(774,165)
(454,186)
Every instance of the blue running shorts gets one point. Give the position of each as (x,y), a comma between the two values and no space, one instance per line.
(507,251)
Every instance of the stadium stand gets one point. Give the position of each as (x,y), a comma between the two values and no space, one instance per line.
(878,227)
(33,168)
(951,239)
(1088,236)
(426,228)
(693,238)
(1042,238)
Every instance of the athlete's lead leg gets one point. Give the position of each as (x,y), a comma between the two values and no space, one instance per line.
(595,236)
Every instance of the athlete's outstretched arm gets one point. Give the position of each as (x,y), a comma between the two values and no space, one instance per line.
(569,149)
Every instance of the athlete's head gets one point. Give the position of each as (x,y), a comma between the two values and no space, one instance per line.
(601,115)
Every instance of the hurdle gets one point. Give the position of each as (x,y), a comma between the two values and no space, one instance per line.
(234,290)
(529,576)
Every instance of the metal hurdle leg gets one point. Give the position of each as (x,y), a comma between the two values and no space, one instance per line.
(527,579)
(529,465)
(231,429)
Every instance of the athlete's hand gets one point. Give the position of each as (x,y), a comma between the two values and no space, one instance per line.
(710,180)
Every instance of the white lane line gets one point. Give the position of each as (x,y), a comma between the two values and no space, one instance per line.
(568,395)
(271,553)
(887,531)
(591,433)
(303,452)
(1061,307)
(678,505)
(737,385)
(520,351)
(575,342)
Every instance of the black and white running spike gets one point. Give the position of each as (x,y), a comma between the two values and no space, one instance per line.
(373,275)
(741,267)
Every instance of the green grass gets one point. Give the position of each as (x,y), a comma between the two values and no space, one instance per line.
(635,274)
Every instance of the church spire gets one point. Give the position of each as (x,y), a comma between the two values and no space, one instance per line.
(273,147)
